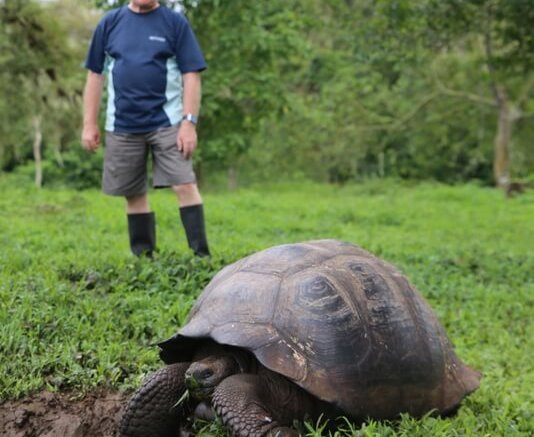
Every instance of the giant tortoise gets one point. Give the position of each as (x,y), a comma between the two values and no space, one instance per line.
(296,331)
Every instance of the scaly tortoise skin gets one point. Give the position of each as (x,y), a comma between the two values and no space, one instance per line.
(298,330)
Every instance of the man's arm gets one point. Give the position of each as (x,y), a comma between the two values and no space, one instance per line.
(187,134)
(91,103)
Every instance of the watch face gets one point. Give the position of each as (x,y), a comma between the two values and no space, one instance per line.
(191,118)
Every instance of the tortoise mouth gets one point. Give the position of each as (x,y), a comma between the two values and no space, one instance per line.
(200,390)
(202,393)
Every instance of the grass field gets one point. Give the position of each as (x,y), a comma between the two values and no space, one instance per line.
(77,311)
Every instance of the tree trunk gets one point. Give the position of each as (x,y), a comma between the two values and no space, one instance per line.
(501,159)
(37,156)
(232,178)
(57,150)
(501,156)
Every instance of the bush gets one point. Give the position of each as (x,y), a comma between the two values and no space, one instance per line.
(78,169)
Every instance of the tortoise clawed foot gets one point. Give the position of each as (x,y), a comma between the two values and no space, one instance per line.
(153,410)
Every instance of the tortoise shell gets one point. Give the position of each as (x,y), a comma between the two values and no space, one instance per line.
(339,322)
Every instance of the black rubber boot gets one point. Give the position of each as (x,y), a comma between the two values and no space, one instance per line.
(195,230)
(142,230)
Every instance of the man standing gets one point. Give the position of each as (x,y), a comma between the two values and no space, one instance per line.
(153,63)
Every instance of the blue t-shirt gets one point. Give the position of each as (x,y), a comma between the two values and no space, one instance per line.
(144,55)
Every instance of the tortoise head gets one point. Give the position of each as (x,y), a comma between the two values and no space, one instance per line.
(211,365)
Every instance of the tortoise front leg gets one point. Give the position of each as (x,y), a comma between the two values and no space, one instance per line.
(152,410)
(250,406)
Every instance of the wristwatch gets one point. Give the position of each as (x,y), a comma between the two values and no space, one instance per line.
(190,118)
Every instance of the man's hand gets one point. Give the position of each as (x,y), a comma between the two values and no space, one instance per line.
(90,137)
(186,139)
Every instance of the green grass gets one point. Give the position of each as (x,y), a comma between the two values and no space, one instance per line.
(78,311)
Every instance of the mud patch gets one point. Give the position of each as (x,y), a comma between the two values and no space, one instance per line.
(62,415)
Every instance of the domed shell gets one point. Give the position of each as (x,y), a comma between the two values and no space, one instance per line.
(336,320)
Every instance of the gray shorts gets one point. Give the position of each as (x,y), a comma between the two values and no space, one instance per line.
(126,157)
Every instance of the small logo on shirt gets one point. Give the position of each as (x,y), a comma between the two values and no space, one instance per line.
(156,38)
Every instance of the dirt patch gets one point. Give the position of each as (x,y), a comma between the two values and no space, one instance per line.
(62,415)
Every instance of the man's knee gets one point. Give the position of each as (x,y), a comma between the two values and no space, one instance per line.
(184,189)
(188,194)
(137,203)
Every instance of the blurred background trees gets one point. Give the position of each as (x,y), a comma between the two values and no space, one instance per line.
(41,49)
(329,90)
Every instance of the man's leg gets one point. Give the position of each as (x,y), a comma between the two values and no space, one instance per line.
(171,169)
(192,215)
(125,173)
(141,225)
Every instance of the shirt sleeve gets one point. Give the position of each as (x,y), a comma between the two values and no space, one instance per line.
(96,56)
(188,53)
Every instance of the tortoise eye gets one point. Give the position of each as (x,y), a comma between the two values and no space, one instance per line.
(205,373)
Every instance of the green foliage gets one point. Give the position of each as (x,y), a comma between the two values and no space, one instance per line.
(40,75)
(507,22)
(78,169)
(329,90)
(248,46)
(75,168)
(78,311)
(400,94)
